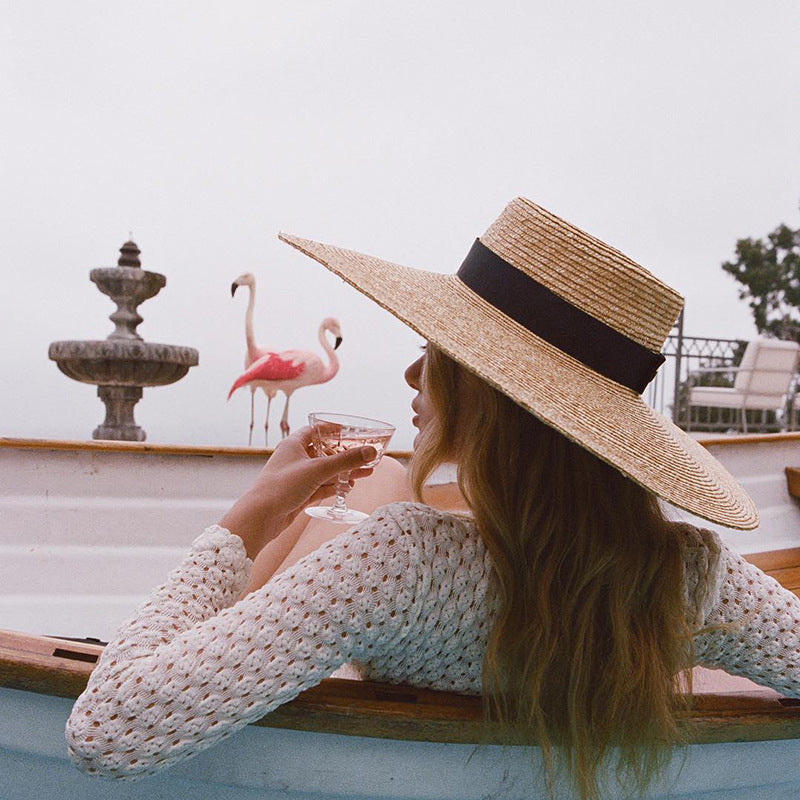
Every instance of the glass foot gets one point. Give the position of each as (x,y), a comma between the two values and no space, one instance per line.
(348,517)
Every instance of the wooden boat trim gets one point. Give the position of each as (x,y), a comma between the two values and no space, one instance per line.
(776,559)
(751,438)
(793,480)
(147,447)
(60,667)
(106,446)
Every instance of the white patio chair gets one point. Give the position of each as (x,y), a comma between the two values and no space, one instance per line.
(762,379)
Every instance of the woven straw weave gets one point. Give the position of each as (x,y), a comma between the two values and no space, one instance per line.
(586,272)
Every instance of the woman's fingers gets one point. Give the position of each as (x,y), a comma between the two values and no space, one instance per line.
(325,468)
(295,476)
(291,479)
(355,475)
(305,437)
(348,460)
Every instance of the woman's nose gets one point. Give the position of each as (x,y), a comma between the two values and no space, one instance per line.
(413,372)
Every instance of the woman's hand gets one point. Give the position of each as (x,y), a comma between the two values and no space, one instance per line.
(290,480)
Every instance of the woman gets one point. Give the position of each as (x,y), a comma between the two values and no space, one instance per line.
(569,601)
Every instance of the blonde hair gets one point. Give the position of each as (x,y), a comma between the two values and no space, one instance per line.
(587,650)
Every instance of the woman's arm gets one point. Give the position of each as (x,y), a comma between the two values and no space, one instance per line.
(189,669)
(273,555)
(753,628)
(176,677)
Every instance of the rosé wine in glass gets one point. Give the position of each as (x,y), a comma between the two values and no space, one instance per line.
(335,433)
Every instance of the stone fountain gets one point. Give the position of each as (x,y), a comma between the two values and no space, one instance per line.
(123,363)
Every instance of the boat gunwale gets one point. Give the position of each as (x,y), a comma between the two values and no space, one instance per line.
(388,711)
(108,446)
(750,438)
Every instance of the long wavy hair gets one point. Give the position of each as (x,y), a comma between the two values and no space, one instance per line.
(589,653)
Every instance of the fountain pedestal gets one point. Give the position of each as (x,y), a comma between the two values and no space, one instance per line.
(123,363)
(119,422)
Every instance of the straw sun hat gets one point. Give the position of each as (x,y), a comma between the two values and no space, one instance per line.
(570,329)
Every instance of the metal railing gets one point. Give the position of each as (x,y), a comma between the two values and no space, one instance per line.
(668,392)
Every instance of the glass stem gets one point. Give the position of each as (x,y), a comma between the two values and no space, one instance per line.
(342,488)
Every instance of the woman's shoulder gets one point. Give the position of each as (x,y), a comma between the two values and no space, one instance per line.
(411,517)
(703,550)
(423,528)
(704,567)
(696,541)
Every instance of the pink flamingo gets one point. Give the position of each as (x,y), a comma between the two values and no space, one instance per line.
(288,371)
(254,351)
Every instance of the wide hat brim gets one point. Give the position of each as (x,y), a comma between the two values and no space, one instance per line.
(608,419)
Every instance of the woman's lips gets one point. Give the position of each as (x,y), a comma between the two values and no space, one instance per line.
(415,419)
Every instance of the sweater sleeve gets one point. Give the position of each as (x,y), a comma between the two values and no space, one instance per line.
(752,627)
(193,665)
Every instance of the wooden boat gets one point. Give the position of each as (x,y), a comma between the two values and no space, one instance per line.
(88,528)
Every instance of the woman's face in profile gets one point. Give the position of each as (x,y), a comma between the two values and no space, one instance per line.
(420,405)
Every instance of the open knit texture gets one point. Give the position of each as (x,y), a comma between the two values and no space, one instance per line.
(406,597)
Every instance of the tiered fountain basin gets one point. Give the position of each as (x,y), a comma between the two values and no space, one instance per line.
(123,362)
(121,365)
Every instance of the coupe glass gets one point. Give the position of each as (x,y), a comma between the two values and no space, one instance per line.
(335,433)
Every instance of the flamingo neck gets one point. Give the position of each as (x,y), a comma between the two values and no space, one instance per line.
(252,347)
(333,362)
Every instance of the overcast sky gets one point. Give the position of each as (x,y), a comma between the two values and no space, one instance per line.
(401,129)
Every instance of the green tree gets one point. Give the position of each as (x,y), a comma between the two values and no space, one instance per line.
(769,272)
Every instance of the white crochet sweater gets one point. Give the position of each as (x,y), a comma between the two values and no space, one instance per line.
(405,596)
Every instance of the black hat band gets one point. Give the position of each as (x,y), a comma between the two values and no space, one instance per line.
(545,314)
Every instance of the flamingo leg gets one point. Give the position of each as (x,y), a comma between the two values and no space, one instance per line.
(285,417)
(266,421)
(252,415)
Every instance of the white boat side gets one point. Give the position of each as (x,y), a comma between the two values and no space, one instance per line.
(272,764)
(86,530)
(402,743)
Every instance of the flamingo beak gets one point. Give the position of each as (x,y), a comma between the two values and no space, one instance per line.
(338,342)
(234,287)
